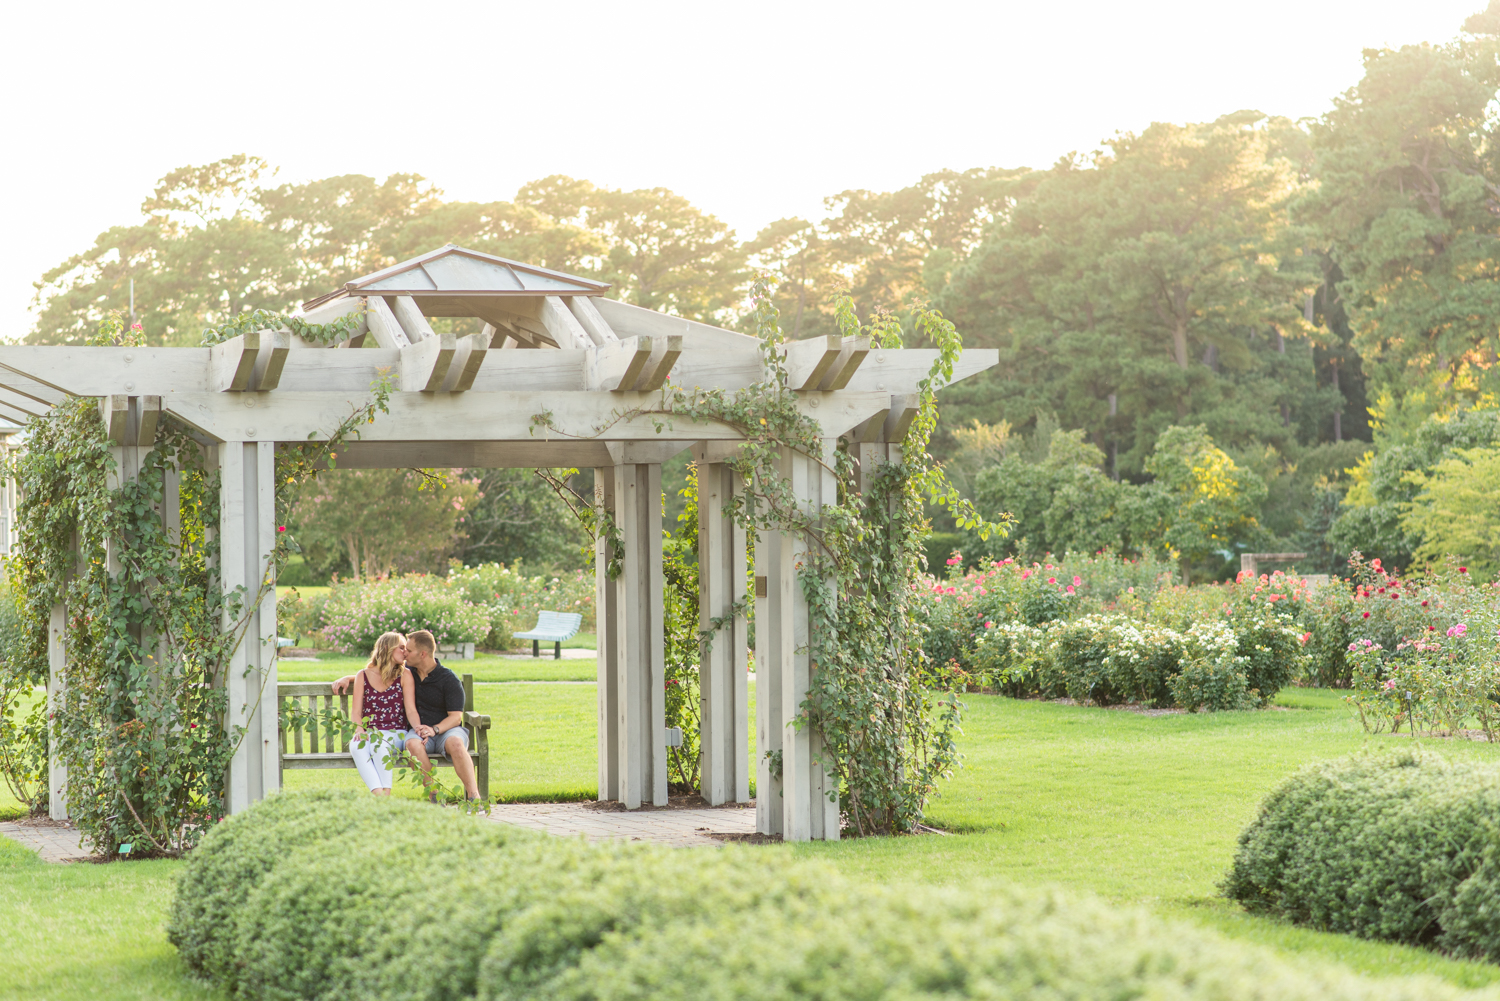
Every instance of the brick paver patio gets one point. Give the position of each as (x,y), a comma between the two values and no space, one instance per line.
(679,828)
(53,841)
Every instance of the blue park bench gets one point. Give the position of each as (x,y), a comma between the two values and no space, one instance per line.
(552,627)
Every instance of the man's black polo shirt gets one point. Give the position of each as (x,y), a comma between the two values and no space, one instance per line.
(439,694)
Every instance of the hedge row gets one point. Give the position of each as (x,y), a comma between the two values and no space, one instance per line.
(330,895)
(1402,846)
(1109,659)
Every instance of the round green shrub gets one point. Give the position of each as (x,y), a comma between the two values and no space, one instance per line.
(1398,846)
(322,896)
(406,911)
(235,856)
(902,944)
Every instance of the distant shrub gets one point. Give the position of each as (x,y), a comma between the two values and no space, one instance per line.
(1402,846)
(356,613)
(1110,659)
(1212,674)
(280,903)
(1107,659)
(513,599)
(301,615)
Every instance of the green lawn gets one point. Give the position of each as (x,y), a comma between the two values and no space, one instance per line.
(88,931)
(1137,809)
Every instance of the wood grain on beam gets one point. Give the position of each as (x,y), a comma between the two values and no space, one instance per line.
(664,354)
(564,328)
(618,366)
(627,320)
(851,356)
(588,316)
(271,359)
(384,327)
(425,364)
(409,315)
(467,360)
(231,364)
(808,361)
(148,415)
(115,412)
(901,370)
(904,409)
(479,416)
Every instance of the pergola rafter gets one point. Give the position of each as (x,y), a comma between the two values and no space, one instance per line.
(551,345)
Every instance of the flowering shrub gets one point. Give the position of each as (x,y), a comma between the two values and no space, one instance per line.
(1124,633)
(1425,652)
(1213,674)
(357,613)
(512,599)
(1110,659)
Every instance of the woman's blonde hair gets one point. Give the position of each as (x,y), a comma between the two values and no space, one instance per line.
(383,657)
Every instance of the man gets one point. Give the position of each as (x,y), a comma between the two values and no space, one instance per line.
(440,707)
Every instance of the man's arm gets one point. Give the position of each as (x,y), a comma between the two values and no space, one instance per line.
(450,721)
(342,685)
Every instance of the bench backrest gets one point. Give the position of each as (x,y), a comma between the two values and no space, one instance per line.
(316,696)
(558,622)
(312,696)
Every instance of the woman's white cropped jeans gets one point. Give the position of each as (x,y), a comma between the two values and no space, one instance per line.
(381,749)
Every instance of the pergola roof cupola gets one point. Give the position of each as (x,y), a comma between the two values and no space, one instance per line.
(452,271)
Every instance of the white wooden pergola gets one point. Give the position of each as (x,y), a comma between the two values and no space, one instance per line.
(550,342)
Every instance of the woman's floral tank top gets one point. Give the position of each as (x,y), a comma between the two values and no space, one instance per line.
(385,710)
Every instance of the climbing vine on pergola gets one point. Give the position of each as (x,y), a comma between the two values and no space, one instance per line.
(817,446)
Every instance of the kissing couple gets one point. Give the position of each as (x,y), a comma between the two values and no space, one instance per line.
(406,699)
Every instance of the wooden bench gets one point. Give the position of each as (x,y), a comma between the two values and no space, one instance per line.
(315,697)
(552,627)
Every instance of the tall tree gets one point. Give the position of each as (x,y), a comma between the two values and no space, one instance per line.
(386,520)
(1408,207)
(656,248)
(220,239)
(1154,281)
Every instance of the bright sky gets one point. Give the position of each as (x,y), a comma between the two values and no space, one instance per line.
(753,111)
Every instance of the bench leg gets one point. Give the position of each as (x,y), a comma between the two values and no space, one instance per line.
(536,650)
(557,652)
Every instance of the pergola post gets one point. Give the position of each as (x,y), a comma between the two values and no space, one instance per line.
(632,654)
(800,804)
(723,673)
(57,664)
(247,541)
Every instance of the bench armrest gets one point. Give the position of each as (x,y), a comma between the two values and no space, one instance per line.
(477,720)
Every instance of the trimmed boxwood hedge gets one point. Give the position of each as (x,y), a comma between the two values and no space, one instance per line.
(334,896)
(1400,845)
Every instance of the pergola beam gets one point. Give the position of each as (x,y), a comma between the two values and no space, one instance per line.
(592,321)
(483,416)
(166,372)
(425,364)
(384,326)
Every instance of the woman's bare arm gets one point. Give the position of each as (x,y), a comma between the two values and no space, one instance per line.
(409,698)
(359,702)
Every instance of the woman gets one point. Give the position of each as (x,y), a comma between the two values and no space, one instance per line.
(385,706)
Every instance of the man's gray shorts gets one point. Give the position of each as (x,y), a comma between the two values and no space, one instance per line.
(434,744)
